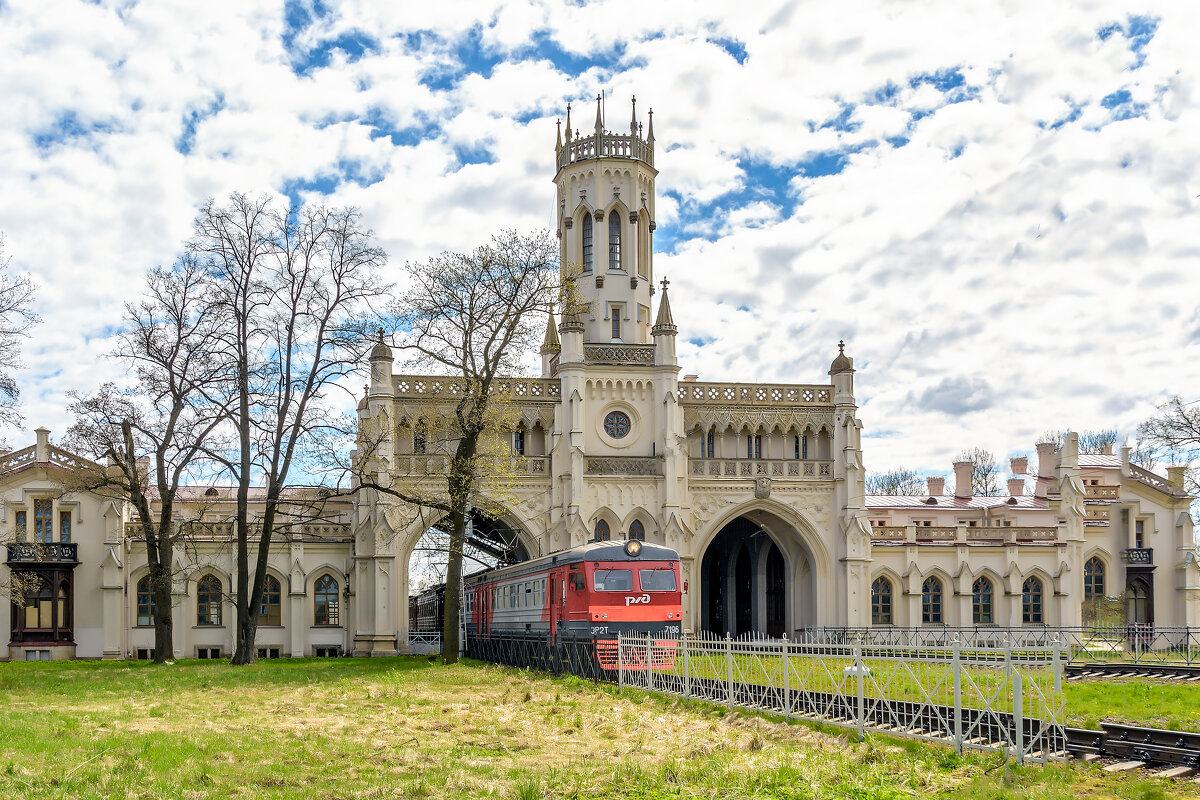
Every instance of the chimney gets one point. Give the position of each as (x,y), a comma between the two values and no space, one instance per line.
(937,485)
(1107,449)
(1175,476)
(1016,487)
(691,378)
(962,479)
(1045,474)
(1019,465)
(42,448)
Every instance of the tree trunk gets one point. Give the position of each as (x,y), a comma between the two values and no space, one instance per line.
(160,585)
(461,482)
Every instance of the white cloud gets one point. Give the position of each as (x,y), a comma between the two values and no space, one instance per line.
(1023,262)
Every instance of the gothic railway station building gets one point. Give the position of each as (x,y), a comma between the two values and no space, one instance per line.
(759,487)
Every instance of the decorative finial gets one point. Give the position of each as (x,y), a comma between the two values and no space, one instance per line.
(650,128)
(599,115)
(381,334)
(841,347)
(665,283)
(633,124)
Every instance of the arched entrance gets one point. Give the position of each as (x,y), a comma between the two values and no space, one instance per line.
(744,578)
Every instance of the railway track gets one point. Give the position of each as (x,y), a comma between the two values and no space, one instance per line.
(1135,745)
(1176,672)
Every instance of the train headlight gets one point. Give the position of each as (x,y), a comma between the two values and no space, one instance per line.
(604,616)
(633,548)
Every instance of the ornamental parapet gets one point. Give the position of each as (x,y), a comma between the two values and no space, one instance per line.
(226,530)
(436,466)
(755,394)
(758,467)
(624,465)
(607,145)
(626,354)
(447,388)
(963,535)
(1102,492)
(1148,478)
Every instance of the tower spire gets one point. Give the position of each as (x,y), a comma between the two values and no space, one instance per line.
(650,128)
(633,126)
(599,116)
(558,137)
(550,343)
(665,323)
(568,123)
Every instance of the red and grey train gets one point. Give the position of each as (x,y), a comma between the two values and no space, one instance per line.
(597,590)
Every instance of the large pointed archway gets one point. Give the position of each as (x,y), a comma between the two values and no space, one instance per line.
(758,574)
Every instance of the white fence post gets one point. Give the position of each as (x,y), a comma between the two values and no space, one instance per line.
(729,671)
(787,680)
(649,662)
(958,736)
(859,668)
(687,667)
(620,664)
(1018,716)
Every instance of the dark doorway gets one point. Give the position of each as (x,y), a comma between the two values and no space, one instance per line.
(1139,596)
(776,592)
(744,582)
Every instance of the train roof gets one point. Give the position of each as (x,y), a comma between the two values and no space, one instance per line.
(592,551)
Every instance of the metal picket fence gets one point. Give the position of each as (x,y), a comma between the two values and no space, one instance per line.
(957,692)
(1133,644)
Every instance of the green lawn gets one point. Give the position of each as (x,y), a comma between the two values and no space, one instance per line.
(1154,704)
(359,728)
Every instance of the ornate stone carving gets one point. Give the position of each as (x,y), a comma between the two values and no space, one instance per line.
(762,487)
(619,353)
(722,417)
(624,465)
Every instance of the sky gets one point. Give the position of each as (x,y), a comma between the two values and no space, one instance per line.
(995,204)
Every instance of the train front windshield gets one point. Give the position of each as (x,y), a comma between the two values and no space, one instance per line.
(613,580)
(657,580)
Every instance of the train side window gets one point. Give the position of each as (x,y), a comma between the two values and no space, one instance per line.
(657,580)
(613,580)
(576,582)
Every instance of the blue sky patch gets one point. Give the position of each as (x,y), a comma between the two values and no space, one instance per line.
(733,47)
(1137,30)
(68,128)
(192,119)
(1121,104)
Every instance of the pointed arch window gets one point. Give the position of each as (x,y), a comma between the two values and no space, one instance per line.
(43,521)
(931,601)
(603,532)
(1031,601)
(208,601)
(881,602)
(614,240)
(270,609)
(586,238)
(981,602)
(708,444)
(637,530)
(1093,579)
(146,604)
(419,438)
(325,601)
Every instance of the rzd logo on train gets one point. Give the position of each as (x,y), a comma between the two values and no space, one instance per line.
(629,601)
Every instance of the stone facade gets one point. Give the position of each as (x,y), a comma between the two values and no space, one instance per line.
(759,487)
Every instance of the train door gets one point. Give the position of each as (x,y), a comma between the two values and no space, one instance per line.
(556,599)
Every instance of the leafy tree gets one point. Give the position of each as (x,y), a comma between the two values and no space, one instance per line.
(899,481)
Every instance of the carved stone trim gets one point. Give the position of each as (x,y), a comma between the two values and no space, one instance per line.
(721,418)
(624,465)
(619,353)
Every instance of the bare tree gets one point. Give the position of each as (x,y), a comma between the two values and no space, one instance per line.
(475,316)
(985,475)
(16,318)
(292,285)
(1095,442)
(1174,436)
(152,434)
(899,481)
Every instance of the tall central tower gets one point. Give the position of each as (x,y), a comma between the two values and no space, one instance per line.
(605,186)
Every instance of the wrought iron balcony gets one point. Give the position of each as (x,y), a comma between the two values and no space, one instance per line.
(39,553)
(1138,555)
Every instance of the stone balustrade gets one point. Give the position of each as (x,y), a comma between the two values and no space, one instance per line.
(607,145)
(962,534)
(443,387)
(759,467)
(754,394)
(1102,492)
